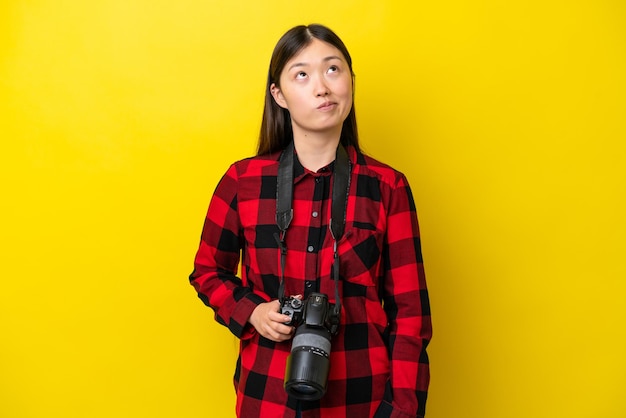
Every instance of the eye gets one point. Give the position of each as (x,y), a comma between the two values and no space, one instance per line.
(333,69)
(300,75)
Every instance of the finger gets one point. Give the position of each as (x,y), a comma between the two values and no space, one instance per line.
(277,335)
(278,317)
(285,337)
(285,330)
(280,329)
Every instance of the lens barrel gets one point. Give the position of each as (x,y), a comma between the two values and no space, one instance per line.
(308,364)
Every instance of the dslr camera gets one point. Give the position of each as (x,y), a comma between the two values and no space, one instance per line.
(316,321)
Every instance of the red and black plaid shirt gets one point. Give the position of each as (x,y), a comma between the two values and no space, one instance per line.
(378,361)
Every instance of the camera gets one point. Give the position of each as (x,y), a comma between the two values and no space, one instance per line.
(316,321)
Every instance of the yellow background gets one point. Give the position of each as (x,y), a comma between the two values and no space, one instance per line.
(118,118)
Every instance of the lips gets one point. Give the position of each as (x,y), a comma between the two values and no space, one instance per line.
(326,106)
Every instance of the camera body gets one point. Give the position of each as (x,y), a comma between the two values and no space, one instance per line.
(316,311)
(316,321)
(293,307)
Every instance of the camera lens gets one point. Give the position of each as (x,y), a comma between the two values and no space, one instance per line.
(303,389)
(308,364)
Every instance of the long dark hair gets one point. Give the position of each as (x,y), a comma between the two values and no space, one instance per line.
(276,131)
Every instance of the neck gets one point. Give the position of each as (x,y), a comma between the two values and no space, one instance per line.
(315,152)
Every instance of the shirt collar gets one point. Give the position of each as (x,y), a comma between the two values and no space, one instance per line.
(299,172)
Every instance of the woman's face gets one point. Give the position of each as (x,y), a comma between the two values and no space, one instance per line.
(316,88)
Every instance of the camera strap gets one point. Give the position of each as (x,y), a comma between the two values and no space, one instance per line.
(284,210)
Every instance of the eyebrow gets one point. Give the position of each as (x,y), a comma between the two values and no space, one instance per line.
(304,64)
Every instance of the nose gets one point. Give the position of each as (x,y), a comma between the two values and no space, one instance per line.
(322,92)
(321,89)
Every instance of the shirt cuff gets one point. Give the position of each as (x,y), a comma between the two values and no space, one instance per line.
(239,324)
(386,410)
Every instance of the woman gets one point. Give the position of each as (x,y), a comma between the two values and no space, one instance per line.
(312,219)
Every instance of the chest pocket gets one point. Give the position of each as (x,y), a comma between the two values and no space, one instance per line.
(360,255)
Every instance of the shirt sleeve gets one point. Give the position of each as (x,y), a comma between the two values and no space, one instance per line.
(216,263)
(406,302)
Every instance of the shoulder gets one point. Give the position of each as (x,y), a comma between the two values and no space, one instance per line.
(255,166)
(367,166)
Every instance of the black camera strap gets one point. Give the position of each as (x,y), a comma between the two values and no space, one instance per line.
(284,210)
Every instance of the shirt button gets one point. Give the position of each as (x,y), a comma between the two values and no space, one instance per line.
(315,214)
(310,248)
(318,179)
(308,284)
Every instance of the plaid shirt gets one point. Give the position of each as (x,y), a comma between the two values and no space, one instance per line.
(378,361)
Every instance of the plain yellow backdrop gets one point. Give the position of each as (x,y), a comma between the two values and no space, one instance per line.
(118,118)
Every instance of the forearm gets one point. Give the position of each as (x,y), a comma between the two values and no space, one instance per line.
(232,302)
(406,302)
(217,261)
(409,335)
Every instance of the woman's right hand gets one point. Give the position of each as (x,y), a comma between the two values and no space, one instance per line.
(270,323)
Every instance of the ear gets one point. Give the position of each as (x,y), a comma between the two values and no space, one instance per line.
(278,96)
